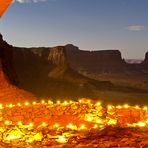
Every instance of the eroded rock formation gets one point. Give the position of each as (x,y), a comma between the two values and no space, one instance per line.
(63,71)
(94,61)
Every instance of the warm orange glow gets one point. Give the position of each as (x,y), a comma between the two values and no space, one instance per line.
(66,118)
(99,121)
(31,124)
(119,107)
(109,107)
(58,102)
(10,105)
(3,6)
(26,103)
(141,124)
(44,124)
(126,106)
(65,103)
(95,126)
(19,123)
(1,106)
(82,127)
(34,103)
(56,125)
(71,126)
(137,107)
(50,102)
(43,101)
(19,104)
(145,108)
(7,122)
(61,139)
(98,104)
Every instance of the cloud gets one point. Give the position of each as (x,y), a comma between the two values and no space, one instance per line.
(28,1)
(135,27)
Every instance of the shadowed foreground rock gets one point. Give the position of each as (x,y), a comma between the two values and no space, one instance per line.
(8,92)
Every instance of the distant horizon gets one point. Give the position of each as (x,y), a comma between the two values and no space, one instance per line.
(90,25)
(141,59)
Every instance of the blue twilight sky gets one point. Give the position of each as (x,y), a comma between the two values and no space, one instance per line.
(88,24)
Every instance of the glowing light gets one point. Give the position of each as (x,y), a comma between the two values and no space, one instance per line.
(12,137)
(26,103)
(110,107)
(95,126)
(71,126)
(19,104)
(31,124)
(61,139)
(126,106)
(118,107)
(19,123)
(38,136)
(82,127)
(88,118)
(98,104)
(58,102)
(92,116)
(129,125)
(65,103)
(80,101)
(88,101)
(145,108)
(10,105)
(43,101)
(50,102)
(146,121)
(34,103)
(44,124)
(56,125)
(112,122)
(141,124)
(137,107)
(30,140)
(70,101)
(99,121)
(7,122)
(1,106)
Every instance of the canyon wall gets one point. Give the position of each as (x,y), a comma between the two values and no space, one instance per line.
(94,61)
(61,71)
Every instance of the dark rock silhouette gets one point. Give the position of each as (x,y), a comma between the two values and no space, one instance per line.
(146,59)
(8,92)
(6,59)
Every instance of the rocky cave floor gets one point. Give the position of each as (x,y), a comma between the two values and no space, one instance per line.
(109,137)
(83,124)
